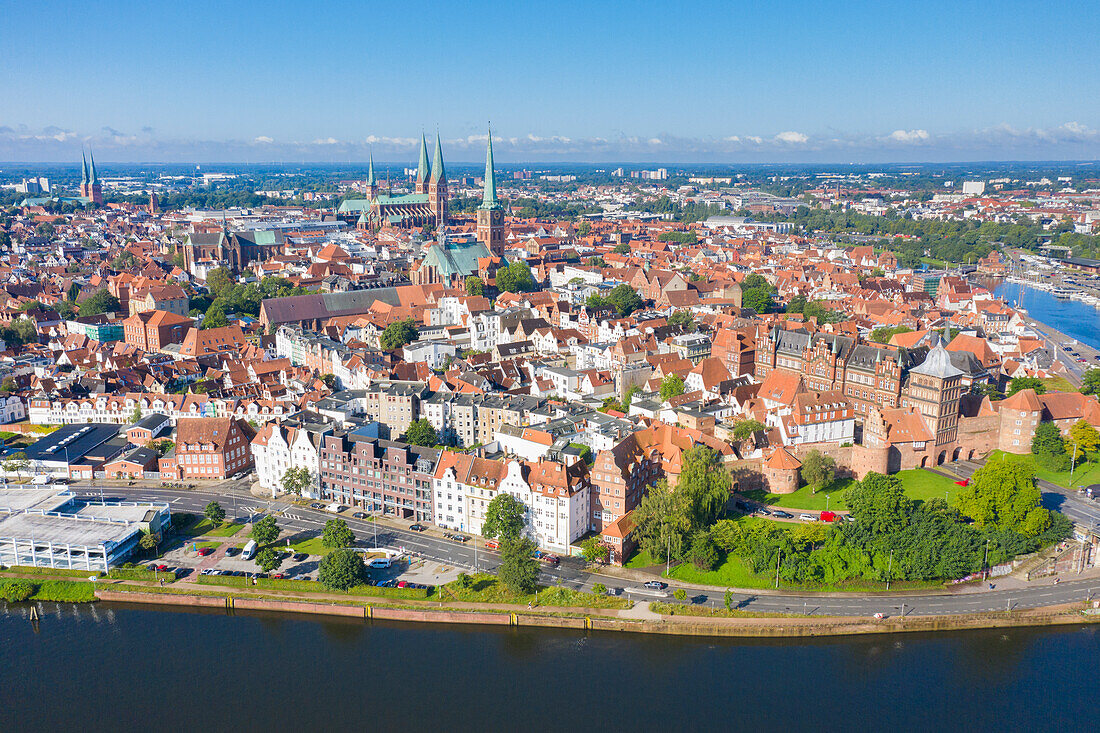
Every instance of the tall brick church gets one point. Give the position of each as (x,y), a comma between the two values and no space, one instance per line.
(426,205)
(90,187)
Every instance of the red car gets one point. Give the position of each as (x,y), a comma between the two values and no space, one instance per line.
(828,516)
(401,584)
(204,551)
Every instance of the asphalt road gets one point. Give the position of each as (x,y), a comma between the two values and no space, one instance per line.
(1074,505)
(239,504)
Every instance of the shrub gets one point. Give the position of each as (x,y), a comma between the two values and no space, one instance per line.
(65,591)
(15,590)
(680,594)
(599,589)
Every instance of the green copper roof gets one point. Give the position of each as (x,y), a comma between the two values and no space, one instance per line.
(83,167)
(422,171)
(489,200)
(370,170)
(437,164)
(92,179)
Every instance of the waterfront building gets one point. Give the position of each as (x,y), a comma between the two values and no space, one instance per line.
(378,475)
(209,448)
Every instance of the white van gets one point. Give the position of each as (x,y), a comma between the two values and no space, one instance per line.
(334,508)
(379,562)
(249,550)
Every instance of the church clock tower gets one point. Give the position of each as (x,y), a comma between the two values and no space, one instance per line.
(490,215)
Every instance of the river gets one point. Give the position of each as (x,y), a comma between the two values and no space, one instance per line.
(1071,317)
(117,667)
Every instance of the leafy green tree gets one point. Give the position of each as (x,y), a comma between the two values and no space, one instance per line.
(818,470)
(661,521)
(1090,381)
(295,480)
(219,282)
(399,333)
(18,463)
(464,581)
(214,513)
(599,589)
(1048,440)
(149,540)
(883,334)
(215,315)
(755,280)
(704,551)
(745,429)
(421,432)
(879,503)
(593,550)
(683,318)
(329,380)
(505,517)
(341,570)
(99,302)
(337,534)
(268,559)
(621,249)
(704,486)
(625,299)
(515,278)
(265,531)
(680,594)
(1003,494)
(1084,436)
(671,386)
(758,299)
(135,416)
(1020,383)
(584,228)
(475,285)
(728,600)
(8,385)
(519,570)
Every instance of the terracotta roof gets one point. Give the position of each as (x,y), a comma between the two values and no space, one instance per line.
(782,460)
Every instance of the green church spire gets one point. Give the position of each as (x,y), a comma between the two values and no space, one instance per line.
(422,171)
(91,169)
(489,200)
(83,167)
(438,174)
(370,171)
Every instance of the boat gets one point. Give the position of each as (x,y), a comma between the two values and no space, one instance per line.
(1062,293)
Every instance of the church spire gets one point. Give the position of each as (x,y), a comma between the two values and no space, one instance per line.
(489,200)
(438,173)
(370,171)
(92,179)
(83,168)
(422,171)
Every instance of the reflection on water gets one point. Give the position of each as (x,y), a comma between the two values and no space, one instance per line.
(246,671)
(1071,317)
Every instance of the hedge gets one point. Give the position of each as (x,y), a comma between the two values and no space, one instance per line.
(310,586)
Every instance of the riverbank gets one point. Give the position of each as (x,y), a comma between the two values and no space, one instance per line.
(641,619)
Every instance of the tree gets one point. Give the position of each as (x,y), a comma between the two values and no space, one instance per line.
(671,386)
(219,282)
(464,580)
(728,600)
(398,334)
(584,228)
(683,318)
(8,385)
(101,301)
(704,552)
(1090,381)
(515,278)
(18,463)
(519,570)
(265,531)
(599,589)
(135,416)
(1048,440)
(44,229)
(337,534)
(296,480)
(268,559)
(883,334)
(341,570)
(214,512)
(879,503)
(1020,383)
(162,446)
(755,280)
(661,521)
(818,470)
(680,594)
(215,316)
(703,487)
(475,285)
(505,517)
(329,380)
(1003,494)
(421,432)
(621,249)
(745,429)
(625,299)
(758,299)
(594,550)
(149,540)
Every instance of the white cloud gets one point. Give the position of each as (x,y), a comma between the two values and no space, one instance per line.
(909,136)
(263,140)
(326,141)
(791,138)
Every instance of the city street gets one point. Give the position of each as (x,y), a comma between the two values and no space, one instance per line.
(240,506)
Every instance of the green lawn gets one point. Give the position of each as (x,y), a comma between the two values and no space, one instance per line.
(226,529)
(1083,475)
(312,546)
(640,561)
(918,484)
(735,573)
(487,589)
(831,496)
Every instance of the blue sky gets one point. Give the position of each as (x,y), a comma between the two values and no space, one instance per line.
(562,81)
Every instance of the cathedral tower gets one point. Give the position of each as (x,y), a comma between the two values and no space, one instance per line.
(437,187)
(423,172)
(490,215)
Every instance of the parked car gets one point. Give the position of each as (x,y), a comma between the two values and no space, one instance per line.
(764,512)
(655,585)
(359,515)
(231,551)
(460,538)
(418,527)
(316,505)
(491,544)
(807,517)
(402,583)
(204,551)
(782,515)
(300,557)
